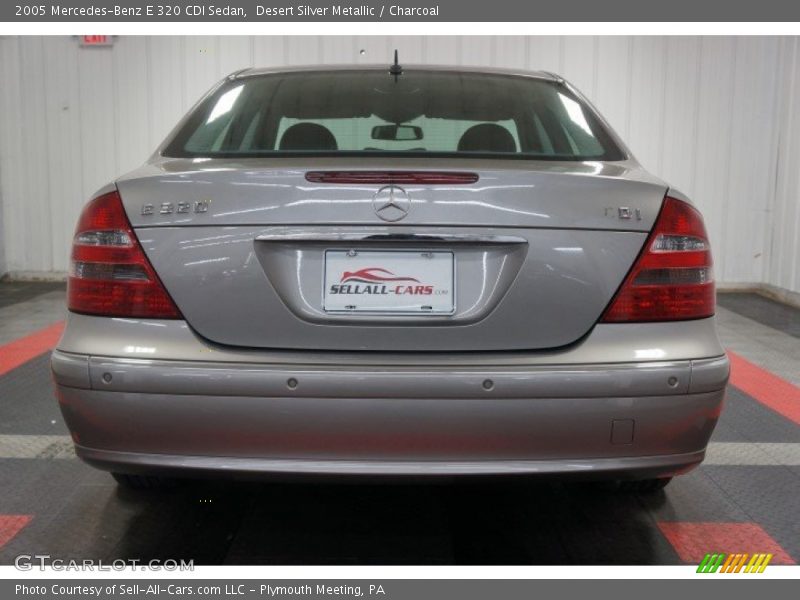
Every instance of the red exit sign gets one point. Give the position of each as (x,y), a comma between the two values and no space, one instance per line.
(96,40)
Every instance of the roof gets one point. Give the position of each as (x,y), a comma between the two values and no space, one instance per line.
(252,72)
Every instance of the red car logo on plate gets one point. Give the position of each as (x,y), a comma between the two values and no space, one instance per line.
(373,275)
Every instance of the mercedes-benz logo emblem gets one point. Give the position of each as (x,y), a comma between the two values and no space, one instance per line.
(391,203)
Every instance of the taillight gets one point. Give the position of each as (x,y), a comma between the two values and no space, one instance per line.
(672,279)
(109,273)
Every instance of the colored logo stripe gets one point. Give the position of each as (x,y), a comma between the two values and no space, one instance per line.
(734,563)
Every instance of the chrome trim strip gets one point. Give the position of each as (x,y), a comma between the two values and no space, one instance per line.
(301,235)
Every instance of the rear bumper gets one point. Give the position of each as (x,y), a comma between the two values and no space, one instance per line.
(628,419)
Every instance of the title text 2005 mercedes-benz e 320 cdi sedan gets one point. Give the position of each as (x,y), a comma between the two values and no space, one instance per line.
(428,271)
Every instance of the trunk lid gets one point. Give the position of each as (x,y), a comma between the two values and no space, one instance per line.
(538,248)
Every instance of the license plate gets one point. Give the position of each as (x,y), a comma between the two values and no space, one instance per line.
(389,282)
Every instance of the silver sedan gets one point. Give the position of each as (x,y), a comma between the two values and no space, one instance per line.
(426,271)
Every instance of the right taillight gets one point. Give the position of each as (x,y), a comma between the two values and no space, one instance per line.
(110,274)
(672,279)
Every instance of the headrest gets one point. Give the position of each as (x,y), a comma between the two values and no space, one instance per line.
(308,136)
(487,137)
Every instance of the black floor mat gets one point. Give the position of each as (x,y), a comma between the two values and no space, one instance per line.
(12,292)
(767,312)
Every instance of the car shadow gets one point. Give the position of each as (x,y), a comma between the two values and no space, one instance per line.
(213,522)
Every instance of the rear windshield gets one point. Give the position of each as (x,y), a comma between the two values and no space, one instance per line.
(371,113)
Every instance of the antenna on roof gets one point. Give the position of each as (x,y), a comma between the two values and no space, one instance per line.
(396,69)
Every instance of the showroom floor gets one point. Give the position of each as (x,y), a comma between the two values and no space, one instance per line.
(744,498)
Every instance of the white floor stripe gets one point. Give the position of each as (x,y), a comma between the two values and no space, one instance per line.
(753,453)
(719,453)
(36,446)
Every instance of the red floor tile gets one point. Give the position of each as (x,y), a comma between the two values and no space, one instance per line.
(11,525)
(24,349)
(692,541)
(769,389)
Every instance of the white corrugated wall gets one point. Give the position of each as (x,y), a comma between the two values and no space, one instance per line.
(784,243)
(715,116)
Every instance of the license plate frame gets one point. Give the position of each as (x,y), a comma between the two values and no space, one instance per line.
(347,274)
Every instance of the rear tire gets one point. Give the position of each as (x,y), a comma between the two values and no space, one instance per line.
(143,482)
(644,486)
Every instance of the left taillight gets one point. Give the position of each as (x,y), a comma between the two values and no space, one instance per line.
(109,273)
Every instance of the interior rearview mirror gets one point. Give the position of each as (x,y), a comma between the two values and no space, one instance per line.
(397,133)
